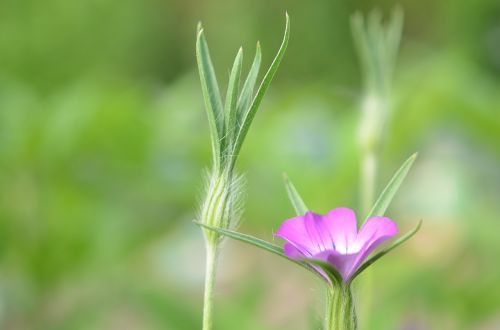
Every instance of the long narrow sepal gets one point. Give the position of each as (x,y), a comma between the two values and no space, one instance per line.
(250,113)
(230,108)
(383,252)
(246,94)
(294,196)
(258,243)
(392,187)
(211,95)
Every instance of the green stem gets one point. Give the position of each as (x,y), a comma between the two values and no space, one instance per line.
(340,311)
(210,271)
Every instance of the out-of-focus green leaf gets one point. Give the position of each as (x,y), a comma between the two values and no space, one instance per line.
(377,45)
(294,196)
(392,187)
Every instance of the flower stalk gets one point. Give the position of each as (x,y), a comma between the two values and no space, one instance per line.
(229,123)
(340,312)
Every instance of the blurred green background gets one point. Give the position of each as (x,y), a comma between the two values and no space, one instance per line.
(103,142)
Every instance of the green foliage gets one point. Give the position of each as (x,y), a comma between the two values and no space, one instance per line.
(213,103)
(294,197)
(248,115)
(229,125)
(391,189)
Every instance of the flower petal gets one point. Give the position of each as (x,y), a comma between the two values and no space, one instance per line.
(291,251)
(374,232)
(318,232)
(294,231)
(342,227)
(343,263)
(294,253)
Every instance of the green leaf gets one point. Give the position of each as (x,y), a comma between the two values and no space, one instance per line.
(390,190)
(258,243)
(211,95)
(250,114)
(380,254)
(232,94)
(294,196)
(249,85)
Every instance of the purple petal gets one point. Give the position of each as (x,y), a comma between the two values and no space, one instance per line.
(318,232)
(294,231)
(342,227)
(334,238)
(294,253)
(291,251)
(343,263)
(374,232)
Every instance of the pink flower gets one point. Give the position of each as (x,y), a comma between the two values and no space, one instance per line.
(334,238)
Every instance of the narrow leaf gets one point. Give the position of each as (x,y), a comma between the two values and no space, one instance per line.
(211,95)
(250,114)
(258,243)
(249,85)
(380,254)
(232,94)
(294,196)
(392,187)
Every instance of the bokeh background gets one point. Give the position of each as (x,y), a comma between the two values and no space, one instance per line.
(103,142)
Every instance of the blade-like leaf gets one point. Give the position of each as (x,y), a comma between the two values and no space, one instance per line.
(258,243)
(249,85)
(392,187)
(380,254)
(250,114)
(211,95)
(294,196)
(230,109)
